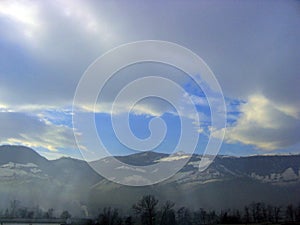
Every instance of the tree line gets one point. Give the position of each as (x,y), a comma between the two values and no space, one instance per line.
(16,211)
(149,211)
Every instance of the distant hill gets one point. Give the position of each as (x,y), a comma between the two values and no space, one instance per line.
(34,180)
(20,154)
(70,183)
(229,182)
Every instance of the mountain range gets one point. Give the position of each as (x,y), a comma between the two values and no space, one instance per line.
(67,183)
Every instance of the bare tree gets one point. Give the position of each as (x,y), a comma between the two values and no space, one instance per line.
(289,213)
(212,217)
(270,213)
(277,213)
(110,217)
(298,213)
(14,204)
(247,218)
(168,214)
(184,216)
(200,216)
(128,220)
(49,213)
(65,215)
(146,208)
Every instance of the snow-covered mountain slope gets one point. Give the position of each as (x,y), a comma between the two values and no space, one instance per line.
(13,170)
(29,177)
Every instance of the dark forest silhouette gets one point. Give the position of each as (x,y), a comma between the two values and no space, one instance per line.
(149,211)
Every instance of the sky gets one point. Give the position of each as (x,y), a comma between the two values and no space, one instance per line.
(252,47)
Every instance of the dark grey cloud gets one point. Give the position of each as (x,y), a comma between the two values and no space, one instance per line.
(250,46)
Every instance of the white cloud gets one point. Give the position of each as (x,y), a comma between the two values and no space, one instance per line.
(197,100)
(25,16)
(146,107)
(264,124)
(33,131)
(22,13)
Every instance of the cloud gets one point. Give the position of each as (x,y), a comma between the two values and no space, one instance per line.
(264,124)
(46,47)
(34,131)
(136,180)
(24,15)
(253,49)
(259,54)
(45,22)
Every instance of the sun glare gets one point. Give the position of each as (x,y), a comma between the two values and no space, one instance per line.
(20,12)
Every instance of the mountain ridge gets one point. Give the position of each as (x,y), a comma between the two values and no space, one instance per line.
(71,183)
